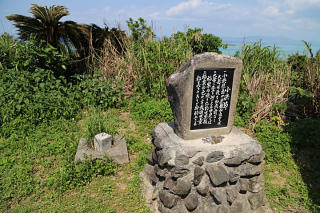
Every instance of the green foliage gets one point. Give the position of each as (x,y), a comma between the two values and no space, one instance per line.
(305,81)
(264,85)
(33,89)
(276,143)
(155,62)
(44,159)
(35,97)
(245,106)
(28,56)
(70,176)
(200,42)
(153,109)
(136,144)
(139,30)
(95,90)
(256,58)
(45,25)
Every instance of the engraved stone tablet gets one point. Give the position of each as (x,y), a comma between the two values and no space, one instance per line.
(203,95)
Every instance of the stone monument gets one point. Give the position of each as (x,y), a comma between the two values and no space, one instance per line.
(201,163)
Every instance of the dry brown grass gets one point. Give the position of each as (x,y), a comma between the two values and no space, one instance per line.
(271,89)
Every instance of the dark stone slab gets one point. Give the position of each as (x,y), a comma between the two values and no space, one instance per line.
(198,174)
(257,200)
(199,161)
(219,195)
(169,200)
(191,202)
(178,172)
(218,174)
(214,156)
(182,188)
(181,160)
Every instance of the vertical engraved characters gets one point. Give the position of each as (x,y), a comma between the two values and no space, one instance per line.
(211,98)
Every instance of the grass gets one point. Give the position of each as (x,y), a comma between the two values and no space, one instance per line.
(292,165)
(41,158)
(290,177)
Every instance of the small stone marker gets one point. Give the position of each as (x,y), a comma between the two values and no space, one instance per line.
(203,95)
(103,146)
(102,142)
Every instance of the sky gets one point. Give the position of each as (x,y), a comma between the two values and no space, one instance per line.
(288,19)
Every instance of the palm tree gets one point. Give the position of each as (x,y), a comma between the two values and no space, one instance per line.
(45,25)
(99,36)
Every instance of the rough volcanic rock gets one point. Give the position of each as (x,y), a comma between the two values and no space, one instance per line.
(214,156)
(198,174)
(218,174)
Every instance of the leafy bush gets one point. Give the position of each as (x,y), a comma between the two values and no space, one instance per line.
(275,142)
(140,31)
(200,42)
(245,107)
(151,62)
(31,94)
(305,80)
(29,56)
(36,97)
(95,90)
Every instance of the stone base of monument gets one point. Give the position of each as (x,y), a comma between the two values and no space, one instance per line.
(200,176)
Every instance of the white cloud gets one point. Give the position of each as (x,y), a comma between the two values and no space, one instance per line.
(272,11)
(183,6)
(195,7)
(288,7)
(301,4)
(285,27)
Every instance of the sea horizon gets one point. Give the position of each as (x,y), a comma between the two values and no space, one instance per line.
(284,46)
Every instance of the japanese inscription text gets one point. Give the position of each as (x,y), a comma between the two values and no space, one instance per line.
(212,89)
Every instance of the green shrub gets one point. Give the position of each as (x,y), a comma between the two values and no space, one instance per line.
(36,96)
(245,106)
(34,89)
(305,82)
(28,56)
(275,142)
(200,42)
(95,90)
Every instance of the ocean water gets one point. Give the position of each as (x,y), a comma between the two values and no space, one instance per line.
(284,49)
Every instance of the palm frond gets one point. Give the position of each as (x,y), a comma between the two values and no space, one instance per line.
(26,25)
(49,15)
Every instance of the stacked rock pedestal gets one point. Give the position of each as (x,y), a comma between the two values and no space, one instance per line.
(198,176)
